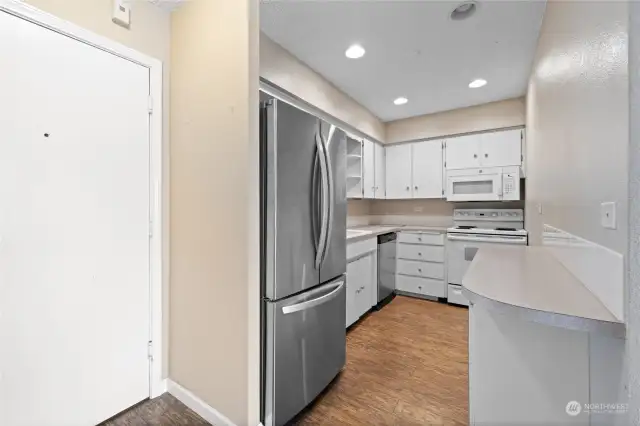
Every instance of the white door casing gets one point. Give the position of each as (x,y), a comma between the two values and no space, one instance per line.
(75,221)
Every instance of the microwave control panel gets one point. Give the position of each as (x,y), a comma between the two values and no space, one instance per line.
(509,184)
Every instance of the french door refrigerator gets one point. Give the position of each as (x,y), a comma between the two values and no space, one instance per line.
(304,214)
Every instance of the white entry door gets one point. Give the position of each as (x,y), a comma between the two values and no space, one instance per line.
(74,223)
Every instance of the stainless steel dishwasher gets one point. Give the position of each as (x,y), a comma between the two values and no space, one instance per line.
(386,268)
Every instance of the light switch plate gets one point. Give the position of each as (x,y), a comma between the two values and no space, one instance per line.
(121,13)
(608,215)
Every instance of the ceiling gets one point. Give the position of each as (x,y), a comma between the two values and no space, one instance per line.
(413,49)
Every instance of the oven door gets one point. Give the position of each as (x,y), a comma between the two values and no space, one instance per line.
(462,248)
(475,186)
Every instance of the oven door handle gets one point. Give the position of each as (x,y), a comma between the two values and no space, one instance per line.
(500,240)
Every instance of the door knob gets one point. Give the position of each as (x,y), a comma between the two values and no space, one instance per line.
(475,155)
(486,156)
(416,187)
(408,188)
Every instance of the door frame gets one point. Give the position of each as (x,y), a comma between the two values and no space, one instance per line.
(157,271)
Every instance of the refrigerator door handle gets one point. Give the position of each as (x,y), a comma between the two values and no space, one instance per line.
(332,129)
(315,202)
(324,190)
(314,302)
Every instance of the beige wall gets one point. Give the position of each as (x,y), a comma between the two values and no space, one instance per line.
(285,71)
(150,33)
(577,121)
(412,208)
(494,115)
(214,211)
(358,207)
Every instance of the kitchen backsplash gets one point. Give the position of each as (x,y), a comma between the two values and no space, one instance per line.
(413,212)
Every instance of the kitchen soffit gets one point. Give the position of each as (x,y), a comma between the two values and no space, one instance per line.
(413,49)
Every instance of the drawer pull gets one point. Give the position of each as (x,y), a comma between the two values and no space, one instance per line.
(419,254)
(419,270)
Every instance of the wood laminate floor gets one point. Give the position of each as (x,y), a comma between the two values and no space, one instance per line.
(162,411)
(407,364)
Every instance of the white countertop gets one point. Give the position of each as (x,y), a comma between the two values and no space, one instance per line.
(375,230)
(531,283)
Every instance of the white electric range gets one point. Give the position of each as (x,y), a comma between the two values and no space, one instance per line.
(472,230)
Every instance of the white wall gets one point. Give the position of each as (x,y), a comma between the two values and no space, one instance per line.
(494,115)
(577,122)
(284,70)
(633,311)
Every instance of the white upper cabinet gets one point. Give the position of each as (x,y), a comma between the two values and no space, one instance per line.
(501,149)
(369,169)
(427,169)
(495,149)
(463,152)
(379,180)
(398,171)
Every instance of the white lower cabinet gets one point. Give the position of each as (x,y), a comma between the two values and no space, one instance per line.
(455,296)
(362,271)
(420,264)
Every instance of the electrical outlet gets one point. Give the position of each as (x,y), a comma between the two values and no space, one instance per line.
(608,215)
(121,13)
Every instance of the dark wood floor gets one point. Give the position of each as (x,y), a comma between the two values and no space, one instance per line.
(406,365)
(162,411)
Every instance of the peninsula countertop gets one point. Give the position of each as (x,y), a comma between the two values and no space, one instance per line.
(530,283)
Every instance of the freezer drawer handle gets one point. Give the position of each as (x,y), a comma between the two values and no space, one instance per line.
(315,302)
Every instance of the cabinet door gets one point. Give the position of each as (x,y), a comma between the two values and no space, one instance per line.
(501,149)
(398,171)
(427,169)
(380,182)
(463,152)
(354,278)
(368,169)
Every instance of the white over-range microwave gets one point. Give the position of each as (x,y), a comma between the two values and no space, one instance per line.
(488,184)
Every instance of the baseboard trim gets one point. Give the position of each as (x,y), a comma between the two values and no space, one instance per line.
(204,410)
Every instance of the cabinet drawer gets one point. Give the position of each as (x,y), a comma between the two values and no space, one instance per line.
(423,286)
(417,252)
(454,295)
(434,239)
(360,247)
(421,269)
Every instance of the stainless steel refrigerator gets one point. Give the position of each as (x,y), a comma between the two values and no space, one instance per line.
(304,214)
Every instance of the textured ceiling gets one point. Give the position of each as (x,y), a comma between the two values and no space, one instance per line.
(413,49)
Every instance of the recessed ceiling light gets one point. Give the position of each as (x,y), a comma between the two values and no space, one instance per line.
(401,101)
(355,51)
(463,11)
(477,83)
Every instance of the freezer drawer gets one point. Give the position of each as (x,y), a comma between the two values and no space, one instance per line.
(306,349)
